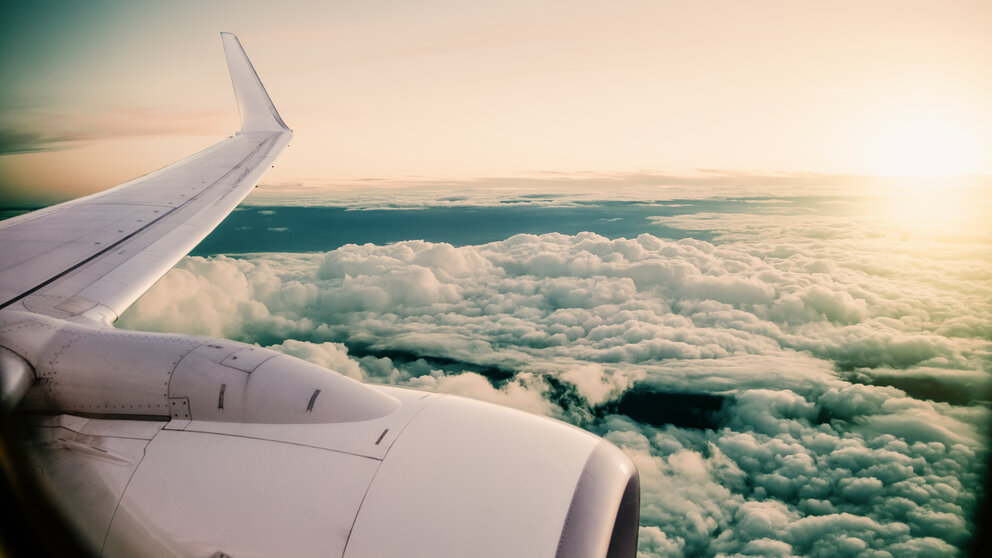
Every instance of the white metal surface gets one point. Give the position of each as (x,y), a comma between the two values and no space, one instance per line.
(88,463)
(279,390)
(196,494)
(468,478)
(460,478)
(369,438)
(257,111)
(86,368)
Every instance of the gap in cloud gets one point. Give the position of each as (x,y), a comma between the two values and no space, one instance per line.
(957,387)
(318,228)
(311,228)
(424,363)
(701,411)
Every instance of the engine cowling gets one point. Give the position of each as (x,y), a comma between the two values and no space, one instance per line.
(186,446)
(106,372)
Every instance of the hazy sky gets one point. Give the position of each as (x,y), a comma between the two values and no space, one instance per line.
(95,93)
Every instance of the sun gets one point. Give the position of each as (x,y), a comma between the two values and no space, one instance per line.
(925,147)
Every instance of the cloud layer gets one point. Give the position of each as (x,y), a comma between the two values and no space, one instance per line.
(800,390)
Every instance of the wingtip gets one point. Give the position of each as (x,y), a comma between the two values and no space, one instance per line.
(256,108)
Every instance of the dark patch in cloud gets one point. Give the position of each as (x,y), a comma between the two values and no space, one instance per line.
(680,409)
(426,362)
(566,396)
(948,386)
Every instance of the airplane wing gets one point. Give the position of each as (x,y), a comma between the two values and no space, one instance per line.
(92,257)
(161,444)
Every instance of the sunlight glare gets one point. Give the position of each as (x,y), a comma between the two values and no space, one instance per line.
(925,148)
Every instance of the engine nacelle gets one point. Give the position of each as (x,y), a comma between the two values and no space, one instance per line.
(172,445)
(100,371)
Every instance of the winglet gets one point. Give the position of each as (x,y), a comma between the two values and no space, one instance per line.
(257,111)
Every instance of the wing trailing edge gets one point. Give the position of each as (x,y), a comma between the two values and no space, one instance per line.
(258,114)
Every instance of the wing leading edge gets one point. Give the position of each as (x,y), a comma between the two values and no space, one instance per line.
(92,257)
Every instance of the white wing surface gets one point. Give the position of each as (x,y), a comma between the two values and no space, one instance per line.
(92,257)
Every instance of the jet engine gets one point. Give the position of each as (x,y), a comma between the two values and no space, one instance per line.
(176,445)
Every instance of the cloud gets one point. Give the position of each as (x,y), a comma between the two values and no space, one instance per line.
(329,355)
(800,397)
(526,392)
(598,385)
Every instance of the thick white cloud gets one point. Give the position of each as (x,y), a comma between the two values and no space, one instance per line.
(845,369)
(526,392)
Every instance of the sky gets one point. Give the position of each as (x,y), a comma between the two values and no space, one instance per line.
(746,242)
(99,92)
